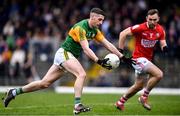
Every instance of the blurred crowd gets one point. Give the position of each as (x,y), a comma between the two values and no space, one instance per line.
(34,29)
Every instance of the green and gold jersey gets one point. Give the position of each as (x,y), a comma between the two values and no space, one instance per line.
(80,31)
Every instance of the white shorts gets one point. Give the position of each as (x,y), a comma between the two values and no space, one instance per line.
(61,56)
(141,66)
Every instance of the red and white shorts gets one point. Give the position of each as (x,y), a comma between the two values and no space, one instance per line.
(141,66)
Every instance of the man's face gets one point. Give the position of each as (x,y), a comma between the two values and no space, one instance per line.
(152,20)
(97,20)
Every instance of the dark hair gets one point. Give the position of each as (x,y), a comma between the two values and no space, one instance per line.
(152,12)
(98,11)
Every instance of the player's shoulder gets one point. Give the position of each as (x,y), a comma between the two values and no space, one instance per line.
(160,27)
(81,24)
(139,26)
(143,25)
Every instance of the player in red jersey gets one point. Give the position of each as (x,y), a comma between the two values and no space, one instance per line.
(147,34)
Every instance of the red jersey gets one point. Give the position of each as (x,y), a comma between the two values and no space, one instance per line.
(146,39)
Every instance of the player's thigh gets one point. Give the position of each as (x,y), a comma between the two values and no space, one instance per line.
(66,60)
(53,74)
(73,66)
(154,71)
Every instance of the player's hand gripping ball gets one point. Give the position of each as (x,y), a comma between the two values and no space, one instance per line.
(114,60)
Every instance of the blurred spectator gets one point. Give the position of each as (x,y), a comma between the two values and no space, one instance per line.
(29,68)
(42,45)
(17,62)
(8,28)
(5,56)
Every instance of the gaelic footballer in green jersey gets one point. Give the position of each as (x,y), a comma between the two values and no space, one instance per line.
(66,58)
(79,32)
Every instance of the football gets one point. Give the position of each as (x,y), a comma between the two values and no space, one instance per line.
(114,60)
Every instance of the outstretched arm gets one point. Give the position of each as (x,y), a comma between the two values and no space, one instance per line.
(114,50)
(85,46)
(111,48)
(91,54)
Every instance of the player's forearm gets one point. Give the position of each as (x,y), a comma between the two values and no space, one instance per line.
(163,44)
(91,54)
(114,50)
(122,37)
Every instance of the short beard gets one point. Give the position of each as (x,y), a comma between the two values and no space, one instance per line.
(151,26)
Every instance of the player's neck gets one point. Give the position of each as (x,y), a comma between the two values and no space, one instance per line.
(89,23)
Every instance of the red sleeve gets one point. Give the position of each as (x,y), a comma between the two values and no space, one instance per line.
(136,29)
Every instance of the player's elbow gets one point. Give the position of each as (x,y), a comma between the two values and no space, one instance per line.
(121,34)
(125,32)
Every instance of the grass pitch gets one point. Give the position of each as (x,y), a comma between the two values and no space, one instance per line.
(50,103)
